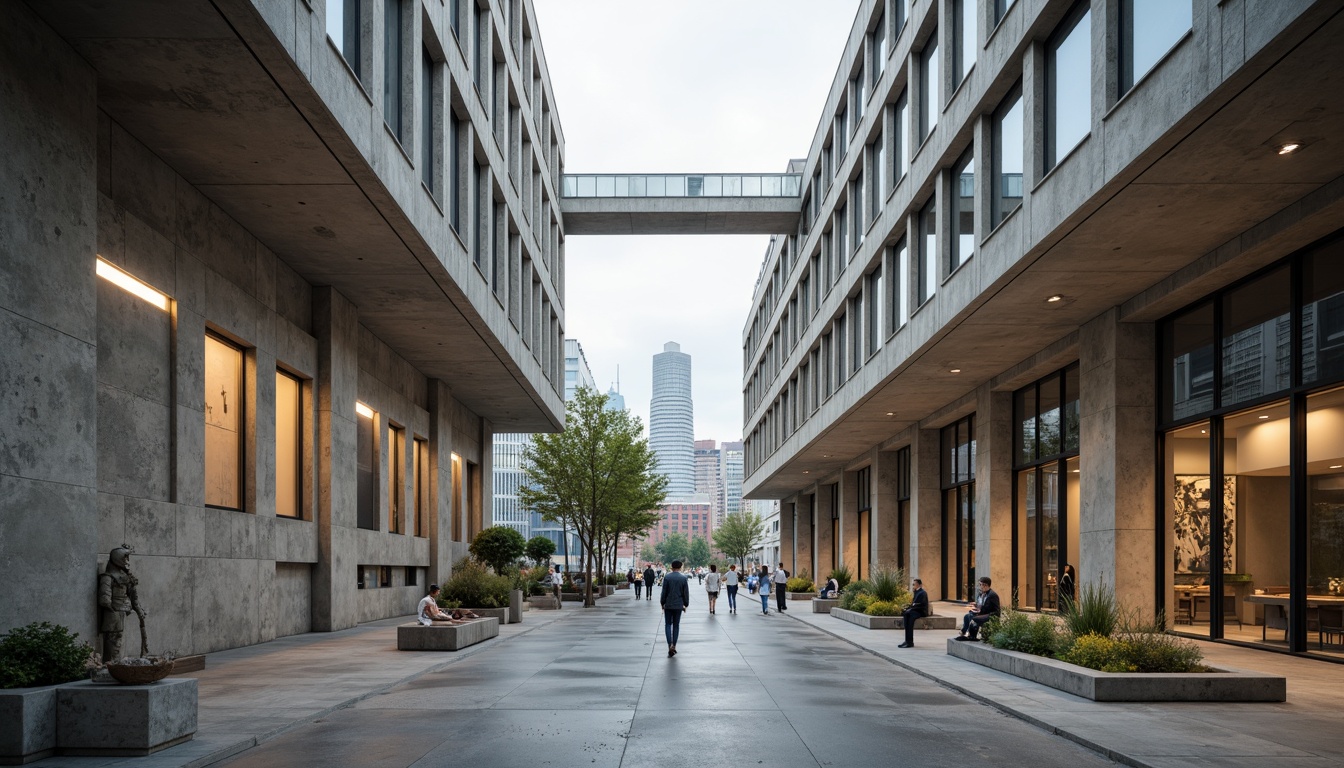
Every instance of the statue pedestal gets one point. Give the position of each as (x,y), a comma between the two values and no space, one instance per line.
(124,720)
(27,724)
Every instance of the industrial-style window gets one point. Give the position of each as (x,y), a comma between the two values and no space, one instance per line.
(1001,9)
(396,478)
(1006,157)
(897,299)
(366,467)
(223,424)
(928,88)
(863,487)
(900,137)
(873,306)
(429,122)
(288,445)
(394,68)
(958,485)
(926,281)
(903,507)
(344,27)
(961,218)
(834,490)
(1068,85)
(420,482)
(964,16)
(1148,29)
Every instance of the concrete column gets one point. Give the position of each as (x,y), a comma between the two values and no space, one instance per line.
(994,487)
(825,562)
(804,533)
(48,329)
(926,513)
(1118,411)
(886,511)
(440,530)
(788,544)
(336,325)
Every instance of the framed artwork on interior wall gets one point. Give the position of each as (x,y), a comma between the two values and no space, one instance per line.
(1192,507)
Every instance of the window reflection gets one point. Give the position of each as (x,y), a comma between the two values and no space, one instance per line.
(1068,85)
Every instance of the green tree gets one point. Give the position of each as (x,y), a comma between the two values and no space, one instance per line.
(498,547)
(736,538)
(540,549)
(592,475)
(698,555)
(673,546)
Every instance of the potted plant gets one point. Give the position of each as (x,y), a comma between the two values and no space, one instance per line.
(33,660)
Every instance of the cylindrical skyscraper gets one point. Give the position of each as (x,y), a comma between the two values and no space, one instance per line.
(672,419)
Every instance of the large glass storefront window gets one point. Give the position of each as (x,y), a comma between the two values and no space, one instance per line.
(1254,459)
(1046,475)
(958,484)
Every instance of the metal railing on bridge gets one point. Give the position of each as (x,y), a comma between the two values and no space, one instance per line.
(682,185)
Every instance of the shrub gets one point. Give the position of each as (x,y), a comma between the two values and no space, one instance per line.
(1097,652)
(1095,612)
(854,591)
(1019,631)
(613,578)
(842,576)
(499,547)
(472,585)
(41,654)
(539,549)
(883,608)
(859,601)
(800,584)
(889,585)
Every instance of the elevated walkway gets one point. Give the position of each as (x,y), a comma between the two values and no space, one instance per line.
(681,204)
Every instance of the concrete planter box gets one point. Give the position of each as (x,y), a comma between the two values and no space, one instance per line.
(820,605)
(607,590)
(1225,685)
(572,597)
(892,622)
(623,585)
(801,596)
(124,720)
(542,603)
(491,613)
(445,637)
(27,724)
(516,606)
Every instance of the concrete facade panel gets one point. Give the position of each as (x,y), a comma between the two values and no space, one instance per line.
(42,527)
(133,440)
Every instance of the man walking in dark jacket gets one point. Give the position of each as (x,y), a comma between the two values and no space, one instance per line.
(649,576)
(916,610)
(676,598)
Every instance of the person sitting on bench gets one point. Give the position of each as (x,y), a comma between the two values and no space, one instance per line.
(429,611)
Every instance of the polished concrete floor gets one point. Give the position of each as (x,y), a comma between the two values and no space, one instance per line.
(599,690)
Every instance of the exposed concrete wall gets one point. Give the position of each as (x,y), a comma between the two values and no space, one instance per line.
(1118,417)
(886,510)
(825,561)
(48,328)
(926,512)
(849,523)
(805,534)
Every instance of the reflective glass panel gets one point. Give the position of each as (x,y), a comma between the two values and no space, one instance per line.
(1148,29)
(1323,314)
(1068,86)
(1257,340)
(1325,520)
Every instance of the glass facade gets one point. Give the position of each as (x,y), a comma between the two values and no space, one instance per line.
(1253,472)
(366,469)
(1148,29)
(1007,158)
(863,489)
(957,448)
(223,424)
(288,445)
(1046,493)
(929,84)
(926,281)
(961,218)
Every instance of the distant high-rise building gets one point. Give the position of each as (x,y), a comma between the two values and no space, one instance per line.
(731,455)
(672,419)
(508,466)
(615,400)
(709,476)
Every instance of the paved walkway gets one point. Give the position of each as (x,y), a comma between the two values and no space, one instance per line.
(595,687)
(1304,732)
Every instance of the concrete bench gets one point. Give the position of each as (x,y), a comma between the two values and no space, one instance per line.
(824,605)
(445,637)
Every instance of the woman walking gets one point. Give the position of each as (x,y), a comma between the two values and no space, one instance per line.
(712,586)
(763,584)
(731,579)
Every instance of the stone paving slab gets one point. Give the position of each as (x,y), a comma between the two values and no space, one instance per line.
(251,695)
(1302,732)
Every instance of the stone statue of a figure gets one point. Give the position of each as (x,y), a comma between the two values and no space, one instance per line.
(117,597)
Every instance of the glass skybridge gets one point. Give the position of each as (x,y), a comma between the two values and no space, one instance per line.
(727,185)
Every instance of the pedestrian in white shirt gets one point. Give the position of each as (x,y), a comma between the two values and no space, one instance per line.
(712,586)
(781,580)
(732,579)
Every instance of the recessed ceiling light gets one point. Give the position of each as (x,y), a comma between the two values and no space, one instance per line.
(1203,431)
(1289,148)
(1337,466)
(1076,471)
(955,370)
(1054,298)
(891,413)
(1262,418)
(825,455)
(807,471)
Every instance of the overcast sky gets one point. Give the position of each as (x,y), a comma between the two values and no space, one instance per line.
(681,87)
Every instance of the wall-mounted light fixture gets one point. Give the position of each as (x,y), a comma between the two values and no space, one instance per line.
(363,410)
(123,280)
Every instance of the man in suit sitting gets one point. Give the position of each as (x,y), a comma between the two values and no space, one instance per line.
(675,598)
(916,610)
(986,608)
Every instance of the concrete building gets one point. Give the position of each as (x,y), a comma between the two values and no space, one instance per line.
(709,476)
(672,419)
(1066,289)
(731,453)
(271,276)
